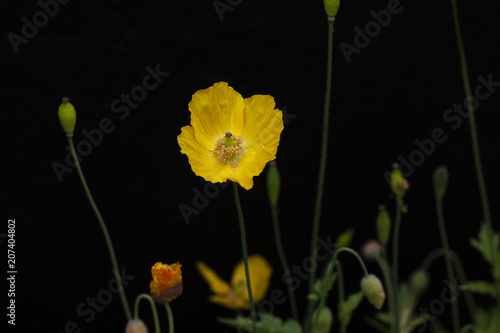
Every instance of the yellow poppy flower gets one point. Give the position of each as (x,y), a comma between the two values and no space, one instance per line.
(235,296)
(230,137)
(167,282)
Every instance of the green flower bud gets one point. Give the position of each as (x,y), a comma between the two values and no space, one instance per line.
(331,7)
(273,183)
(383,225)
(324,321)
(136,326)
(440,181)
(399,184)
(345,238)
(373,290)
(67,116)
(419,280)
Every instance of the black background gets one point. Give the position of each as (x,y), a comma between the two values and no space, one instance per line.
(393,92)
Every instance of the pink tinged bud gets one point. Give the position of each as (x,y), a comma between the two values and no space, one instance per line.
(371,250)
(136,326)
(373,290)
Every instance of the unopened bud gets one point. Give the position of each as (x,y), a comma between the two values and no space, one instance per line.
(371,250)
(419,280)
(383,225)
(331,7)
(399,184)
(325,320)
(345,238)
(273,183)
(373,290)
(136,326)
(67,116)
(440,181)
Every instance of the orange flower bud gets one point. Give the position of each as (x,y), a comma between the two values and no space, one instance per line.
(167,282)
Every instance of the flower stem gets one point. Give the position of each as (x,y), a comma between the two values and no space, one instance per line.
(449,268)
(153,309)
(170,318)
(431,257)
(245,255)
(337,264)
(284,263)
(475,145)
(322,167)
(395,253)
(384,267)
(340,285)
(104,231)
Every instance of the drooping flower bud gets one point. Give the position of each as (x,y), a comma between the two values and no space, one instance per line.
(419,280)
(440,181)
(373,290)
(331,7)
(273,183)
(383,225)
(136,326)
(325,320)
(67,116)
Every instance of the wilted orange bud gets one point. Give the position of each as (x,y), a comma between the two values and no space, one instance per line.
(167,282)
(373,290)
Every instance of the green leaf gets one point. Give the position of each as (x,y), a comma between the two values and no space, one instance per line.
(480,287)
(322,286)
(482,244)
(267,324)
(384,317)
(346,308)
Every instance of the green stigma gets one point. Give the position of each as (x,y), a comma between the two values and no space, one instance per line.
(229,140)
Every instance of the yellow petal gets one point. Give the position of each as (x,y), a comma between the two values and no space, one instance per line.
(216,284)
(263,124)
(260,276)
(215,111)
(230,302)
(202,160)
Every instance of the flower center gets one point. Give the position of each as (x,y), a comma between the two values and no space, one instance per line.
(229,148)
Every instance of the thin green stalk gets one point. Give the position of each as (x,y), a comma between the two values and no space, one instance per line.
(462,277)
(386,272)
(170,317)
(322,167)
(395,253)
(245,255)
(284,263)
(340,285)
(334,260)
(104,231)
(483,193)
(153,309)
(449,268)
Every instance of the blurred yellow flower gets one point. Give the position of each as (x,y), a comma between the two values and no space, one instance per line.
(230,137)
(167,282)
(235,296)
